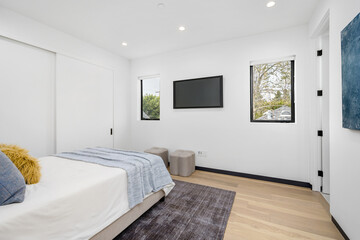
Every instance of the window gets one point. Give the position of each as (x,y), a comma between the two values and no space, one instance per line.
(150,98)
(272,92)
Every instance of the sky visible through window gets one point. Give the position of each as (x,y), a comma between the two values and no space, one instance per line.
(151,86)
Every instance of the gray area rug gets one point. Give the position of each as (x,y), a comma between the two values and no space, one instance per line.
(190,211)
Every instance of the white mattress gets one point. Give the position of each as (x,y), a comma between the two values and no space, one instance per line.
(73,200)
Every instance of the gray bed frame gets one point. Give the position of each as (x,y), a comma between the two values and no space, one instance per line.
(119,225)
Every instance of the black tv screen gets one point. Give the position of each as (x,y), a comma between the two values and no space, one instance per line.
(199,93)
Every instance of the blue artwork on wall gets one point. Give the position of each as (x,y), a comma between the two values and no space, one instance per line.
(350,56)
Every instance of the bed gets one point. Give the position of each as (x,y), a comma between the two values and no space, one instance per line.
(74,200)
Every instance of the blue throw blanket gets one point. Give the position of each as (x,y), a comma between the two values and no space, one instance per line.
(146,173)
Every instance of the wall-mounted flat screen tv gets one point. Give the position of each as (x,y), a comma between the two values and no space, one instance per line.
(199,93)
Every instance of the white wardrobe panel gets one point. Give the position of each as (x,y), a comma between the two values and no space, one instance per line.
(27,97)
(84,105)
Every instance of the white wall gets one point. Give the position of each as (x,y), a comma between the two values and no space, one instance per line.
(23,29)
(231,141)
(344,143)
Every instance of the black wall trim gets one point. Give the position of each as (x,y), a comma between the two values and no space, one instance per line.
(258,177)
(339,228)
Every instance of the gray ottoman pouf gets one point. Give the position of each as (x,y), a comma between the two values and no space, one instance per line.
(182,163)
(162,152)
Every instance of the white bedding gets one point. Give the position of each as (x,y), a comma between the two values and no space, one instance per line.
(73,200)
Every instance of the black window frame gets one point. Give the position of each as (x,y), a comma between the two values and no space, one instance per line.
(141,107)
(292,120)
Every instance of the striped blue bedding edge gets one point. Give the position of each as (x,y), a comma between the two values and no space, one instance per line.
(146,172)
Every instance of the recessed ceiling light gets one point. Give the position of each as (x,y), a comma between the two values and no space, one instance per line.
(161,5)
(182,28)
(124,44)
(271,4)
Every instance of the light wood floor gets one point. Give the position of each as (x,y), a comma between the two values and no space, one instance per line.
(265,210)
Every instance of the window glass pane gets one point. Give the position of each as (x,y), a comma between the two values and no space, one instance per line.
(150,107)
(272,91)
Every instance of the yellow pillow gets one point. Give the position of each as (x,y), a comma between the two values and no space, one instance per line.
(27,165)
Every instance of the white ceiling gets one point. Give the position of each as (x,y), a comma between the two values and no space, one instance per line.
(150,30)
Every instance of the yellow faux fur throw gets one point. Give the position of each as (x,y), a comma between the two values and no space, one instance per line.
(27,165)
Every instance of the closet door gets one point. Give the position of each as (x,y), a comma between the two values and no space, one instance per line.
(84,105)
(27,97)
